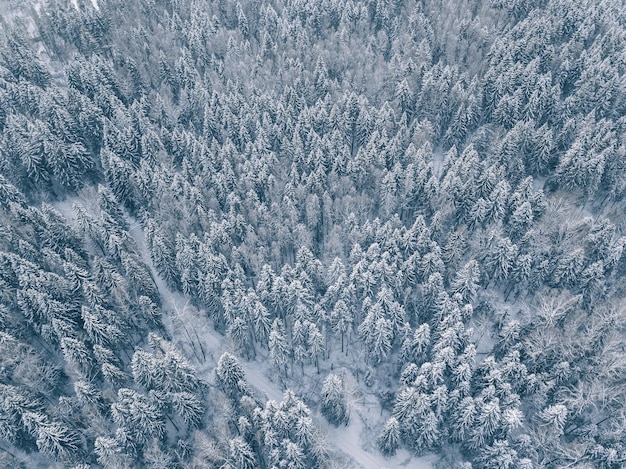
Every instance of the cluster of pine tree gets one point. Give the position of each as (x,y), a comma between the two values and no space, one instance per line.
(431,192)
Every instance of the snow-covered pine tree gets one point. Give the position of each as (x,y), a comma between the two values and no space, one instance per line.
(230,376)
(333,404)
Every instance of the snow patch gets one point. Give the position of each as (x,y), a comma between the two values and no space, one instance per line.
(349,440)
(94,3)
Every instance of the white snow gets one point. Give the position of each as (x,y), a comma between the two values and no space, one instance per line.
(258,379)
(356,438)
(93,2)
(65,208)
(347,439)
(438,157)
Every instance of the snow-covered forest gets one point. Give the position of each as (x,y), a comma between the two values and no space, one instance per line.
(312,234)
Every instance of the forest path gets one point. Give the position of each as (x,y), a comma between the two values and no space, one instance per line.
(357,439)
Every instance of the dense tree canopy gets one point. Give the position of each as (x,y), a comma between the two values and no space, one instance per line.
(429,194)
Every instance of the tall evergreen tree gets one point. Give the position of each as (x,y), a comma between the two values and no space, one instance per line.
(333,403)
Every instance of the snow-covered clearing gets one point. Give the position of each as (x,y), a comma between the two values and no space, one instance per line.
(348,440)
(257,377)
(356,438)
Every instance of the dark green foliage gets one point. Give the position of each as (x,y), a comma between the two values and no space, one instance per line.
(22,62)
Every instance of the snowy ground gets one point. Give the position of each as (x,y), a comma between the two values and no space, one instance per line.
(191,330)
(355,439)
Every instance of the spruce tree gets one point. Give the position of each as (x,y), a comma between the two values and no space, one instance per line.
(333,403)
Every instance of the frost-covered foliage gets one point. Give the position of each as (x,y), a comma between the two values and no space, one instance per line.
(333,403)
(428,194)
